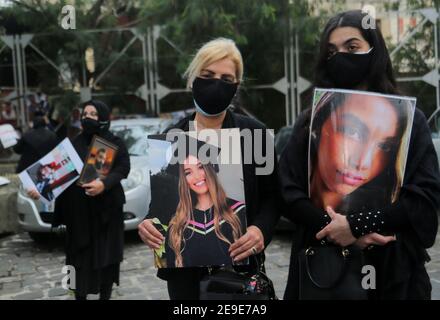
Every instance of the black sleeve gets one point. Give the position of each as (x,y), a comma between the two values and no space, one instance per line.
(309,215)
(19,147)
(60,208)
(121,167)
(268,211)
(418,203)
(293,176)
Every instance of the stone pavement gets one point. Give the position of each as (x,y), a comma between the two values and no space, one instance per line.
(31,271)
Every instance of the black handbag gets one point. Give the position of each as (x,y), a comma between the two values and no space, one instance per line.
(331,273)
(226,283)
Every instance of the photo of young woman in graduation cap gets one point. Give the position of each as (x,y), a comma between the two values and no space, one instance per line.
(205,221)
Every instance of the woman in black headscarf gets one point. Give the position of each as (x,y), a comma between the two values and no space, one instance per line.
(93,212)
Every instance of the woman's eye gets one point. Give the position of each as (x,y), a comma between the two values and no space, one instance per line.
(352,48)
(351,132)
(206,75)
(385,147)
(228,79)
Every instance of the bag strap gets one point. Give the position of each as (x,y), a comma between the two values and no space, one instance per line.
(344,253)
(259,260)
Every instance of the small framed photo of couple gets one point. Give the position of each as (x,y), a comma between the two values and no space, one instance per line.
(99,160)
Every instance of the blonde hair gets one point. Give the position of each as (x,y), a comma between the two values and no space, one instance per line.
(213,51)
(184,212)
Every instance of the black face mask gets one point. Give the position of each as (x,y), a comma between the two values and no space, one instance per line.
(90,126)
(212,96)
(347,70)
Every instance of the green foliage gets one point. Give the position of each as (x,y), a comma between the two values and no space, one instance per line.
(416,57)
(65,102)
(261,29)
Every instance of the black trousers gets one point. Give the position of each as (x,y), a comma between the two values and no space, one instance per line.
(105,293)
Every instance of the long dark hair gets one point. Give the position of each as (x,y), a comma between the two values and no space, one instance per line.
(380,77)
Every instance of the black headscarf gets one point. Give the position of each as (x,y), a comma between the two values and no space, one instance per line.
(103,113)
(104,125)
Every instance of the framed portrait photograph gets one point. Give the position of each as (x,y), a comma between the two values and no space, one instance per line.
(99,160)
(358,146)
(53,173)
(197,197)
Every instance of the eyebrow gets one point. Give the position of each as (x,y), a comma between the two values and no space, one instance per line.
(223,74)
(363,127)
(346,41)
(357,122)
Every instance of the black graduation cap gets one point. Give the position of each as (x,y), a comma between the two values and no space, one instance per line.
(185,145)
(164,187)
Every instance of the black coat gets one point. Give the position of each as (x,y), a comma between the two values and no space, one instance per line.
(95,225)
(413,218)
(261,191)
(34,145)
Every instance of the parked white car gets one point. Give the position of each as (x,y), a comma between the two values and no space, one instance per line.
(36,217)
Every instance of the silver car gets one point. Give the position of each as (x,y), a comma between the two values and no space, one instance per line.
(36,217)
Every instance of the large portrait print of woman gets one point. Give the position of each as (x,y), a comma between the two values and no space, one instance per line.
(198,205)
(358,148)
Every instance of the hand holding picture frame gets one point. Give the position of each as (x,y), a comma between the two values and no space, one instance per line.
(99,160)
(53,173)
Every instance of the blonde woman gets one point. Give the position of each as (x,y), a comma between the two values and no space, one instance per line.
(214,76)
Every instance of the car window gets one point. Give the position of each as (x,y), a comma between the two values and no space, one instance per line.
(135,137)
